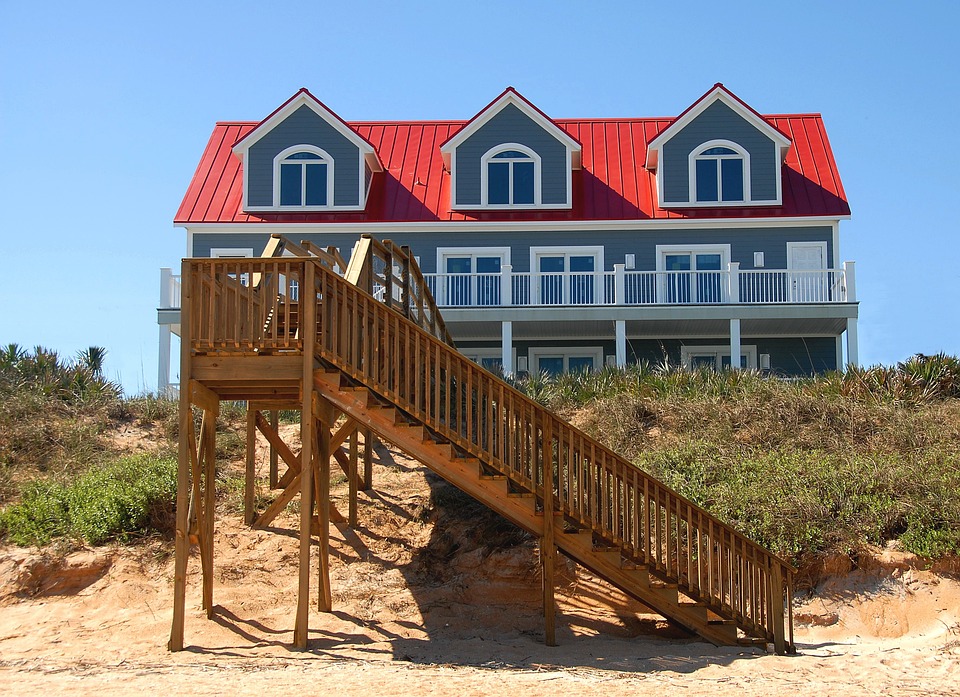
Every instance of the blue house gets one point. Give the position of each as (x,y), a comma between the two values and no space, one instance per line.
(706,239)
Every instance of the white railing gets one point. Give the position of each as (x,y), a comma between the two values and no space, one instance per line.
(621,287)
(169,289)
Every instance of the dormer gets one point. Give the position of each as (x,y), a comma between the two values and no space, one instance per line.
(718,153)
(303,157)
(511,156)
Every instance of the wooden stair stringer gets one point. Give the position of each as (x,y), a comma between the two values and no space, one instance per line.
(464,473)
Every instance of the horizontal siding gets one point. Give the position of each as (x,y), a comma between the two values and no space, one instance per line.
(617,244)
(304,127)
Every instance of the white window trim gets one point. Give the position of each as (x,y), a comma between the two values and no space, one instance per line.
(695,155)
(747,351)
(231,252)
(475,354)
(485,175)
(535,353)
(473,253)
(327,160)
(599,268)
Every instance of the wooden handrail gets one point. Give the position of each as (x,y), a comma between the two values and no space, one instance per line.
(375,342)
(593,487)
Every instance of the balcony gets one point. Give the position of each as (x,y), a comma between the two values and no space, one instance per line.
(622,288)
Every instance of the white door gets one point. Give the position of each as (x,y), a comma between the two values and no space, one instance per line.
(808,281)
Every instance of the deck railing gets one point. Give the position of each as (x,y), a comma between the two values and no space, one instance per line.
(366,338)
(632,288)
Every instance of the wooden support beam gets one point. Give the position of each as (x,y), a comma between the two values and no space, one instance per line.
(548,550)
(352,478)
(307,435)
(324,422)
(181,543)
(204,398)
(279,503)
(367,459)
(274,459)
(208,450)
(293,461)
(251,464)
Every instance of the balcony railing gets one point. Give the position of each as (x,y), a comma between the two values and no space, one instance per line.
(625,288)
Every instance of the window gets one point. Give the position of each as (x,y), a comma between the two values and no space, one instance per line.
(692,274)
(470,277)
(717,357)
(557,360)
(303,178)
(567,275)
(510,176)
(719,173)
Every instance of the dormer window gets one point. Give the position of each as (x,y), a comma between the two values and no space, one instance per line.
(510,176)
(303,177)
(720,173)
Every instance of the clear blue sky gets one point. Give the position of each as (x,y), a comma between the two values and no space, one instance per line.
(105,108)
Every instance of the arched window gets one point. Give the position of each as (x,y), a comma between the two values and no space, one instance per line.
(303,177)
(720,172)
(510,176)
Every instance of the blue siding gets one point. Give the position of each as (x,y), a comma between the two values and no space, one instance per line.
(643,244)
(719,121)
(511,125)
(304,127)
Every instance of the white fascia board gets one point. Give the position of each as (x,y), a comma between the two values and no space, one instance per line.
(717,94)
(360,227)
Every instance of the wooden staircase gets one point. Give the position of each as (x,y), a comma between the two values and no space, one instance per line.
(373,347)
(520,506)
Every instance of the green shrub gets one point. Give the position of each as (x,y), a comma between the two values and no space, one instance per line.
(127,497)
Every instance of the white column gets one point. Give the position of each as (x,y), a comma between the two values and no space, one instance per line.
(506,292)
(735,344)
(850,275)
(619,286)
(163,362)
(853,347)
(621,343)
(506,347)
(733,276)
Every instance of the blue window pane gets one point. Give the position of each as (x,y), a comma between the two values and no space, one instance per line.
(551,365)
(493,364)
(707,262)
(551,264)
(732,174)
(316,185)
(512,154)
(459,264)
(677,262)
(523,182)
(488,264)
(498,182)
(707,180)
(581,264)
(704,361)
(580,364)
(719,151)
(290,185)
(304,156)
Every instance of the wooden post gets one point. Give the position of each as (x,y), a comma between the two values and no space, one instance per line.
(208,448)
(181,545)
(325,423)
(776,607)
(368,460)
(352,477)
(548,552)
(250,474)
(307,436)
(275,422)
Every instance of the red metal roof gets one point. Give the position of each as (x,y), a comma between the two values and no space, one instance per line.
(613,184)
